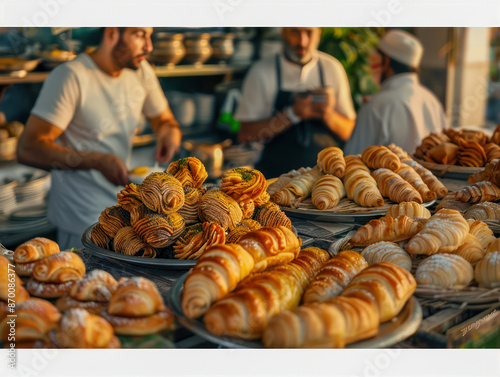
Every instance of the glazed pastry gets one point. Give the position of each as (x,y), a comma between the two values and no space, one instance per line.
(360,185)
(378,156)
(218,207)
(197,238)
(387,252)
(331,324)
(130,197)
(493,246)
(80,329)
(243,184)
(35,249)
(189,171)
(128,242)
(35,318)
(479,192)
(189,211)
(429,179)
(411,176)
(443,233)
(471,154)
(100,238)
(327,192)
(487,271)
(386,229)
(246,312)
(334,276)
(398,151)
(394,187)
(388,286)
(246,226)
(331,161)
(471,250)
(482,232)
(270,215)
(445,153)
(410,209)
(59,268)
(112,219)
(449,202)
(444,271)
(483,211)
(299,189)
(162,193)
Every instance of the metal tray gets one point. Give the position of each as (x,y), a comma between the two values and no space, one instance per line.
(401,327)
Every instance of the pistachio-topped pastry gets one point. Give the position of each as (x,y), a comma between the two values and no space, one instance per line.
(114,218)
(162,193)
(189,211)
(196,238)
(217,207)
(243,184)
(130,197)
(190,172)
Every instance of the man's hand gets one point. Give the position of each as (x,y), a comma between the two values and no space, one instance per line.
(169,143)
(113,169)
(324,110)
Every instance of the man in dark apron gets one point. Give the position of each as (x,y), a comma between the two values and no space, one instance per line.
(302,121)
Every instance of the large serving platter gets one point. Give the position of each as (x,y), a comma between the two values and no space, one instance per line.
(401,327)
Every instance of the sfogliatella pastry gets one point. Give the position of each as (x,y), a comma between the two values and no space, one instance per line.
(130,197)
(327,192)
(127,242)
(190,172)
(479,192)
(444,271)
(162,193)
(331,161)
(360,185)
(91,293)
(410,209)
(243,184)
(136,308)
(218,207)
(31,251)
(487,271)
(197,238)
(387,252)
(189,211)
(112,219)
(270,214)
(80,329)
(244,227)
(100,238)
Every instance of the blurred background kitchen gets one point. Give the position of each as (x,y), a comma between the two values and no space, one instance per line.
(201,72)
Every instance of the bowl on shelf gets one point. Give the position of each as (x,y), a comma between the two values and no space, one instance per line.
(168,49)
(223,46)
(198,48)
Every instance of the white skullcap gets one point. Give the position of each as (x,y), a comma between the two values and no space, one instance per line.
(402,47)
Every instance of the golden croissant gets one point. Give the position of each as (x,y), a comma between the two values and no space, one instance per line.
(162,193)
(398,151)
(482,232)
(331,161)
(135,297)
(394,187)
(410,209)
(327,192)
(387,252)
(35,249)
(217,207)
(444,271)
(98,285)
(197,238)
(487,271)
(189,171)
(483,211)
(479,192)
(299,189)
(471,250)
(378,156)
(429,179)
(59,268)
(360,185)
(243,184)
(411,176)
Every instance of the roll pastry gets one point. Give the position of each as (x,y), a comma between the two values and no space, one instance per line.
(162,193)
(411,176)
(243,184)
(410,209)
(483,211)
(471,250)
(327,192)
(478,192)
(444,271)
(487,271)
(378,156)
(59,268)
(331,161)
(429,179)
(189,171)
(387,252)
(394,187)
(360,185)
(35,249)
(482,231)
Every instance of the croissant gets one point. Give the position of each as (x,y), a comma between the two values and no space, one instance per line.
(283,180)
(246,226)
(394,187)
(243,184)
(411,176)
(35,249)
(484,175)
(360,185)
(386,229)
(429,142)
(449,202)
(246,312)
(443,233)
(127,242)
(271,246)
(493,246)
(444,271)
(130,197)
(80,329)
(197,238)
(112,219)
(387,285)
(410,209)
(492,151)
(487,271)
(35,318)
(162,193)
(387,252)
(331,161)
(59,268)
(331,324)
(217,207)
(483,211)
(334,276)
(189,171)
(66,302)
(471,154)
(378,156)
(429,179)
(270,215)
(398,151)
(327,192)
(299,189)
(216,273)
(445,153)
(100,238)
(478,192)
(16,290)
(98,285)
(483,233)
(189,211)
(471,250)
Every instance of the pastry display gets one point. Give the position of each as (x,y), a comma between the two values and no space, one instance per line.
(360,185)
(487,271)
(394,187)
(327,192)
(162,193)
(331,161)
(386,229)
(197,238)
(410,209)
(444,271)
(189,171)
(378,156)
(387,252)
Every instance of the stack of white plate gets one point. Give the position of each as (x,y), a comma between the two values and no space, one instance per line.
(32,188)
(8,198)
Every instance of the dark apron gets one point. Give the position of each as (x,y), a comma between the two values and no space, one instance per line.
(300,144)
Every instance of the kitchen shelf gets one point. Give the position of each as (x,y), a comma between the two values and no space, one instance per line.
(31,77)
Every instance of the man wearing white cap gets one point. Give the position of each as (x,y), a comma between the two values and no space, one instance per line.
(404,111)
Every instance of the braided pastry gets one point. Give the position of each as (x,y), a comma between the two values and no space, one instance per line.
(217,207)
(327,192)
(129,197)
(331,161)
(197,238)
(394,187)
(243,184)
(360,185)
(410,209)
(112,219)
(444,271)
(189,171)
(162,193)
(244,227)
(487,271)
(387,252)
(100,238)
(270,215)
(378,156)
(128,242)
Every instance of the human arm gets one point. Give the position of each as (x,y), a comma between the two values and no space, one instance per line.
(169,135)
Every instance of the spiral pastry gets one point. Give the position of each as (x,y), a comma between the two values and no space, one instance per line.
(112,219)
(130,197)
(189,171)
(247,208)
(162,193)
(127,242)
(327,192)
(331,161)
(217,207)
(100,238)
(189,211)
(247,225)
(270,215)
(196,238)
(243,184)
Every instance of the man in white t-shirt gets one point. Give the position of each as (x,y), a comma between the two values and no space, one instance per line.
(82,125)
(404,111)
(277,105)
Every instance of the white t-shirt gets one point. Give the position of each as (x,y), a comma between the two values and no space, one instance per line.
(261,85)
(98,113)
(403,112)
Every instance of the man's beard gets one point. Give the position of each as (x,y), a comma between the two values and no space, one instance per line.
(123,57)
(293,57)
